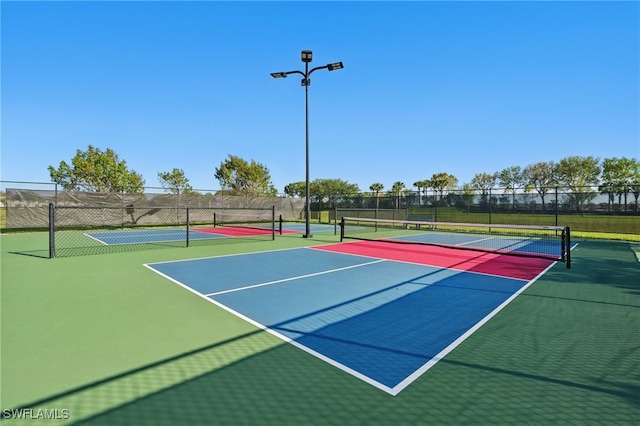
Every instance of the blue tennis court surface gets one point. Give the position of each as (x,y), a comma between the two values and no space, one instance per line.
(142,236)
(148,236)
(314,227)
(383,321)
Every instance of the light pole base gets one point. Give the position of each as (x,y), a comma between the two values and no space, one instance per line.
(307,236)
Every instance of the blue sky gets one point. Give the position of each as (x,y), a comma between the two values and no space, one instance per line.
(428,87)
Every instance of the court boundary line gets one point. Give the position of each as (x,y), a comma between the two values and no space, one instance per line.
(277,334)
(104,243)
(393,391)
(214,237)
(440,355)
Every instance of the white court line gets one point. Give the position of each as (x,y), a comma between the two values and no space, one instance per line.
(475,241)
(432,265)
(293,278)
(389,390)
(96,239)
(433,361)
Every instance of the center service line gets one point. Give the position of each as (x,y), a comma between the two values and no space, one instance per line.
(294,278)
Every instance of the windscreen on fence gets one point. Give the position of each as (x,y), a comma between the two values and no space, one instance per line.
(28,208)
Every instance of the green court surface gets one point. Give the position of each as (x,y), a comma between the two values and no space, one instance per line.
(103,340)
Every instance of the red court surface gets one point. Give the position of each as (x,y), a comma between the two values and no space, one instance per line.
(525,268)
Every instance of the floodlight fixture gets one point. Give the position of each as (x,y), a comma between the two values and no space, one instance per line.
(307,56)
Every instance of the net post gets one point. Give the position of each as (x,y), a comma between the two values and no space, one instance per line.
(341,228)
(335,220)
(280,222)
(188,227)
(567,231)
(52,231)
(273,223)
(214,219)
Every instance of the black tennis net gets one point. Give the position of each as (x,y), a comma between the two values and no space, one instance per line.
(255,218)
(548,242)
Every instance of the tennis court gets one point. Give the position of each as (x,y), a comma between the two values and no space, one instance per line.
(319,331)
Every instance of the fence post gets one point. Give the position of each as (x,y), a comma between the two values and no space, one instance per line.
(490,206)
(187,226)
(568,231)
(52,231)
(435,198)
(556,206)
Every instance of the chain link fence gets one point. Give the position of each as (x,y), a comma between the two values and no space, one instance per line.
(588,208)
(584,208)
(81,223)
(83,230)
(26,206)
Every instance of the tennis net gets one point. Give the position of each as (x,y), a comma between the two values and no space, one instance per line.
(260,219)
(548,242)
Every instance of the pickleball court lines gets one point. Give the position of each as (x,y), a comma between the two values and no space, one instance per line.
(329,311)
(524,268)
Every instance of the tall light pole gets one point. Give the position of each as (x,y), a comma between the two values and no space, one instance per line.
(307,56)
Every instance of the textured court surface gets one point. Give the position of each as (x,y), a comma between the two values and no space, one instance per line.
(116,343)
(380,312)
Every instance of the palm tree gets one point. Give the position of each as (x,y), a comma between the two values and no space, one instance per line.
(376,187)
(397,191)
(421,184)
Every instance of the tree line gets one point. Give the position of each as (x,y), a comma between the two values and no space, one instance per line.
(104,171)
(95,170)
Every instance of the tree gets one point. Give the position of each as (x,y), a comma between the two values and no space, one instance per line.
(511,179)
(468,193)
(541,176)
(441,181)
(239,177)
(396,190)
(635,190)
(421,185)
(579,174)
(97,171)
(296,189)
(376,187)
(324,189)
(484,182)
(618,177)
(175,182)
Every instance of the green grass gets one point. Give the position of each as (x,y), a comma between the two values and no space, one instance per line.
(603,227)
(626,228)
(606,236)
